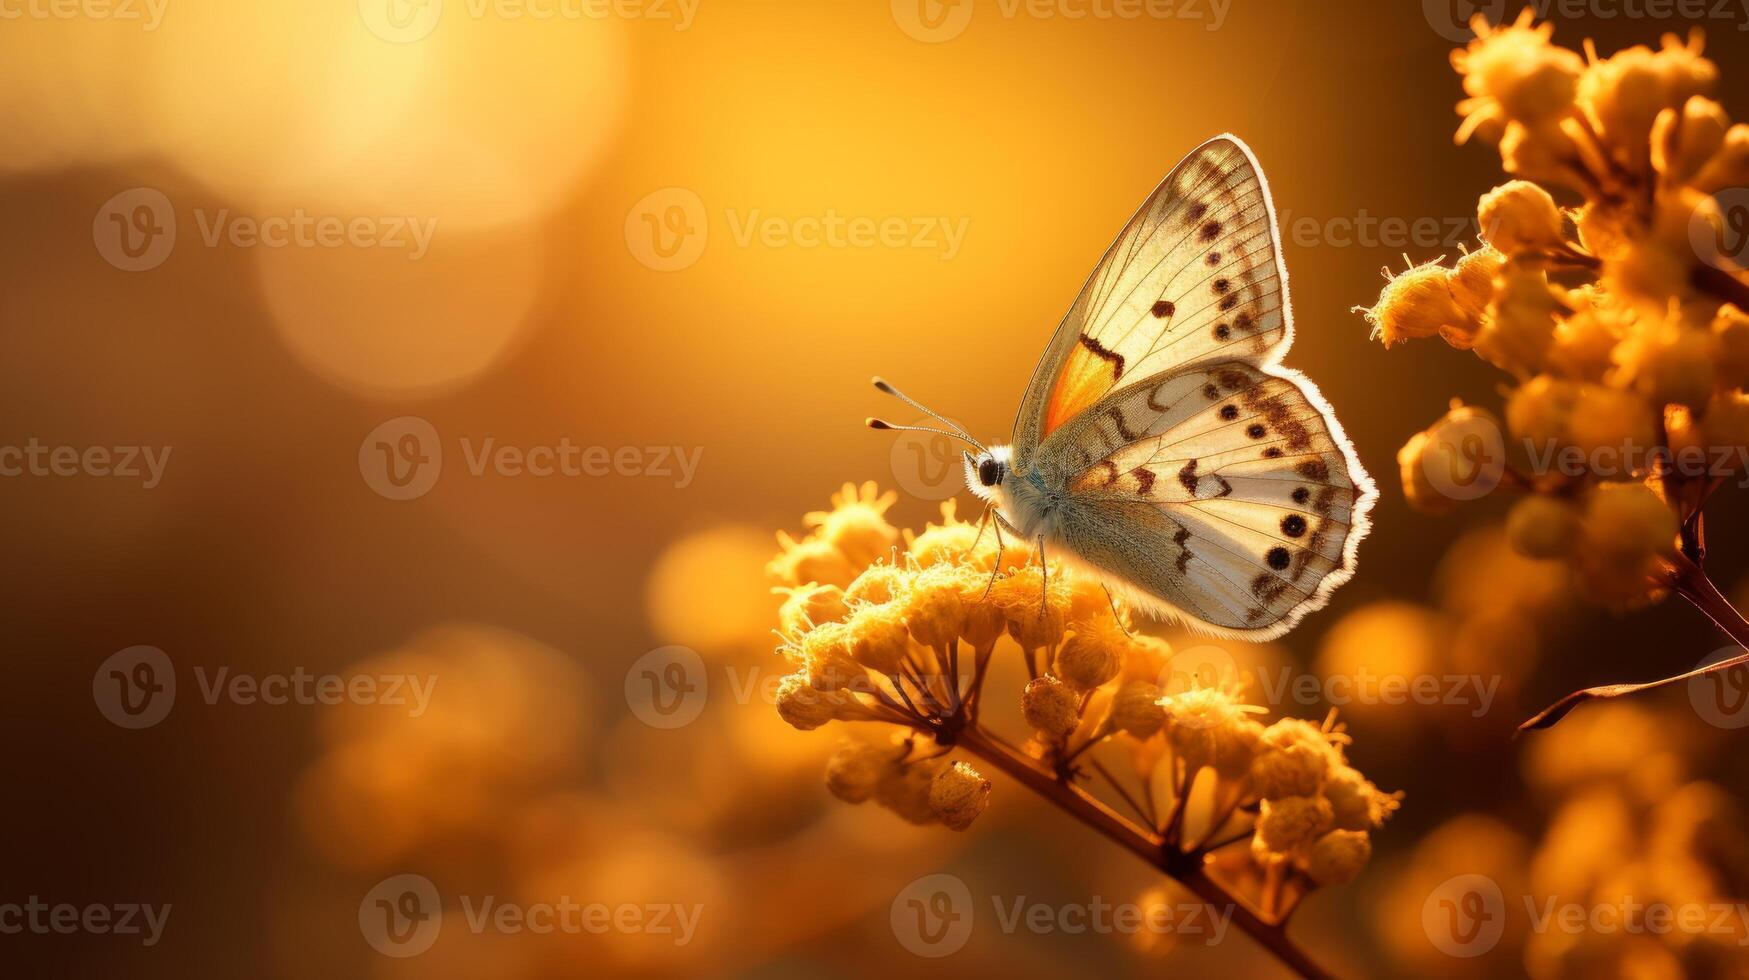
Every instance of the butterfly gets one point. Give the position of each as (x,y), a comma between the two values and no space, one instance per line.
(1160,445)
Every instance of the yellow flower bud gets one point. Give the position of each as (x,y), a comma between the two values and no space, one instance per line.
(1623,94)
(958,795)
(1236,745)
(1436,461)
(879,640)
(1585,342)
(935,615)
(1540,412)
(1292,760)
(1338,856)
(1729,167)
(1089,657)
(1667,362)
(812,560)
(1050,707)
(1627,522)
(857,525)
(1726,423)
(806,707)
(1520,325)
(905,788)
(807,606)
(1288,822)
(1543,527)
(1520,218)
(1136,710)
(1472,282)
(878,584)
(1511,71)
(1208,726)
(1731,337)
(1608,418)
(855,769)
(1419,303)
(1684,140)
(1355,803)
(827,659)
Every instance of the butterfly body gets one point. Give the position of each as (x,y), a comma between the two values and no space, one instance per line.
(1161,446)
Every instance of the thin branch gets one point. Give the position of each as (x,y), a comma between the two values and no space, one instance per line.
(1187,870)
(1690,581)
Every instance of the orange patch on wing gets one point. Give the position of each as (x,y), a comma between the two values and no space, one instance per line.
(1088,374)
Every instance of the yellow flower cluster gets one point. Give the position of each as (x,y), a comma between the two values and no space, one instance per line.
(909,640)
(1626,334)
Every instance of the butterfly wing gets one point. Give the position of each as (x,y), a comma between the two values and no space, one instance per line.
(1195,277)
(1225,495)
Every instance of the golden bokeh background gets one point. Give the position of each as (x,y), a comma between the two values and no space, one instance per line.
(611,200)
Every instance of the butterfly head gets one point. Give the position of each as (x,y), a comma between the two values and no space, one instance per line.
(987,471)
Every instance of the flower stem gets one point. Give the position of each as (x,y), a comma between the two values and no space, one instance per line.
(1689,580)
(1692,583)
(1187,869)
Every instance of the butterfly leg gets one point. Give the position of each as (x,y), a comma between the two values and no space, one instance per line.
(1114,613)
(1044,590)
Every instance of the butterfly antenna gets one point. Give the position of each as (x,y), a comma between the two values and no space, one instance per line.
(883,385)
(886,426)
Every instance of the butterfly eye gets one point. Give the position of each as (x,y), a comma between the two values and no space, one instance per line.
(989,474)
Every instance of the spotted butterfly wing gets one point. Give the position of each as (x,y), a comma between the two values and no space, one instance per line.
(1194,474)
(1195,276)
